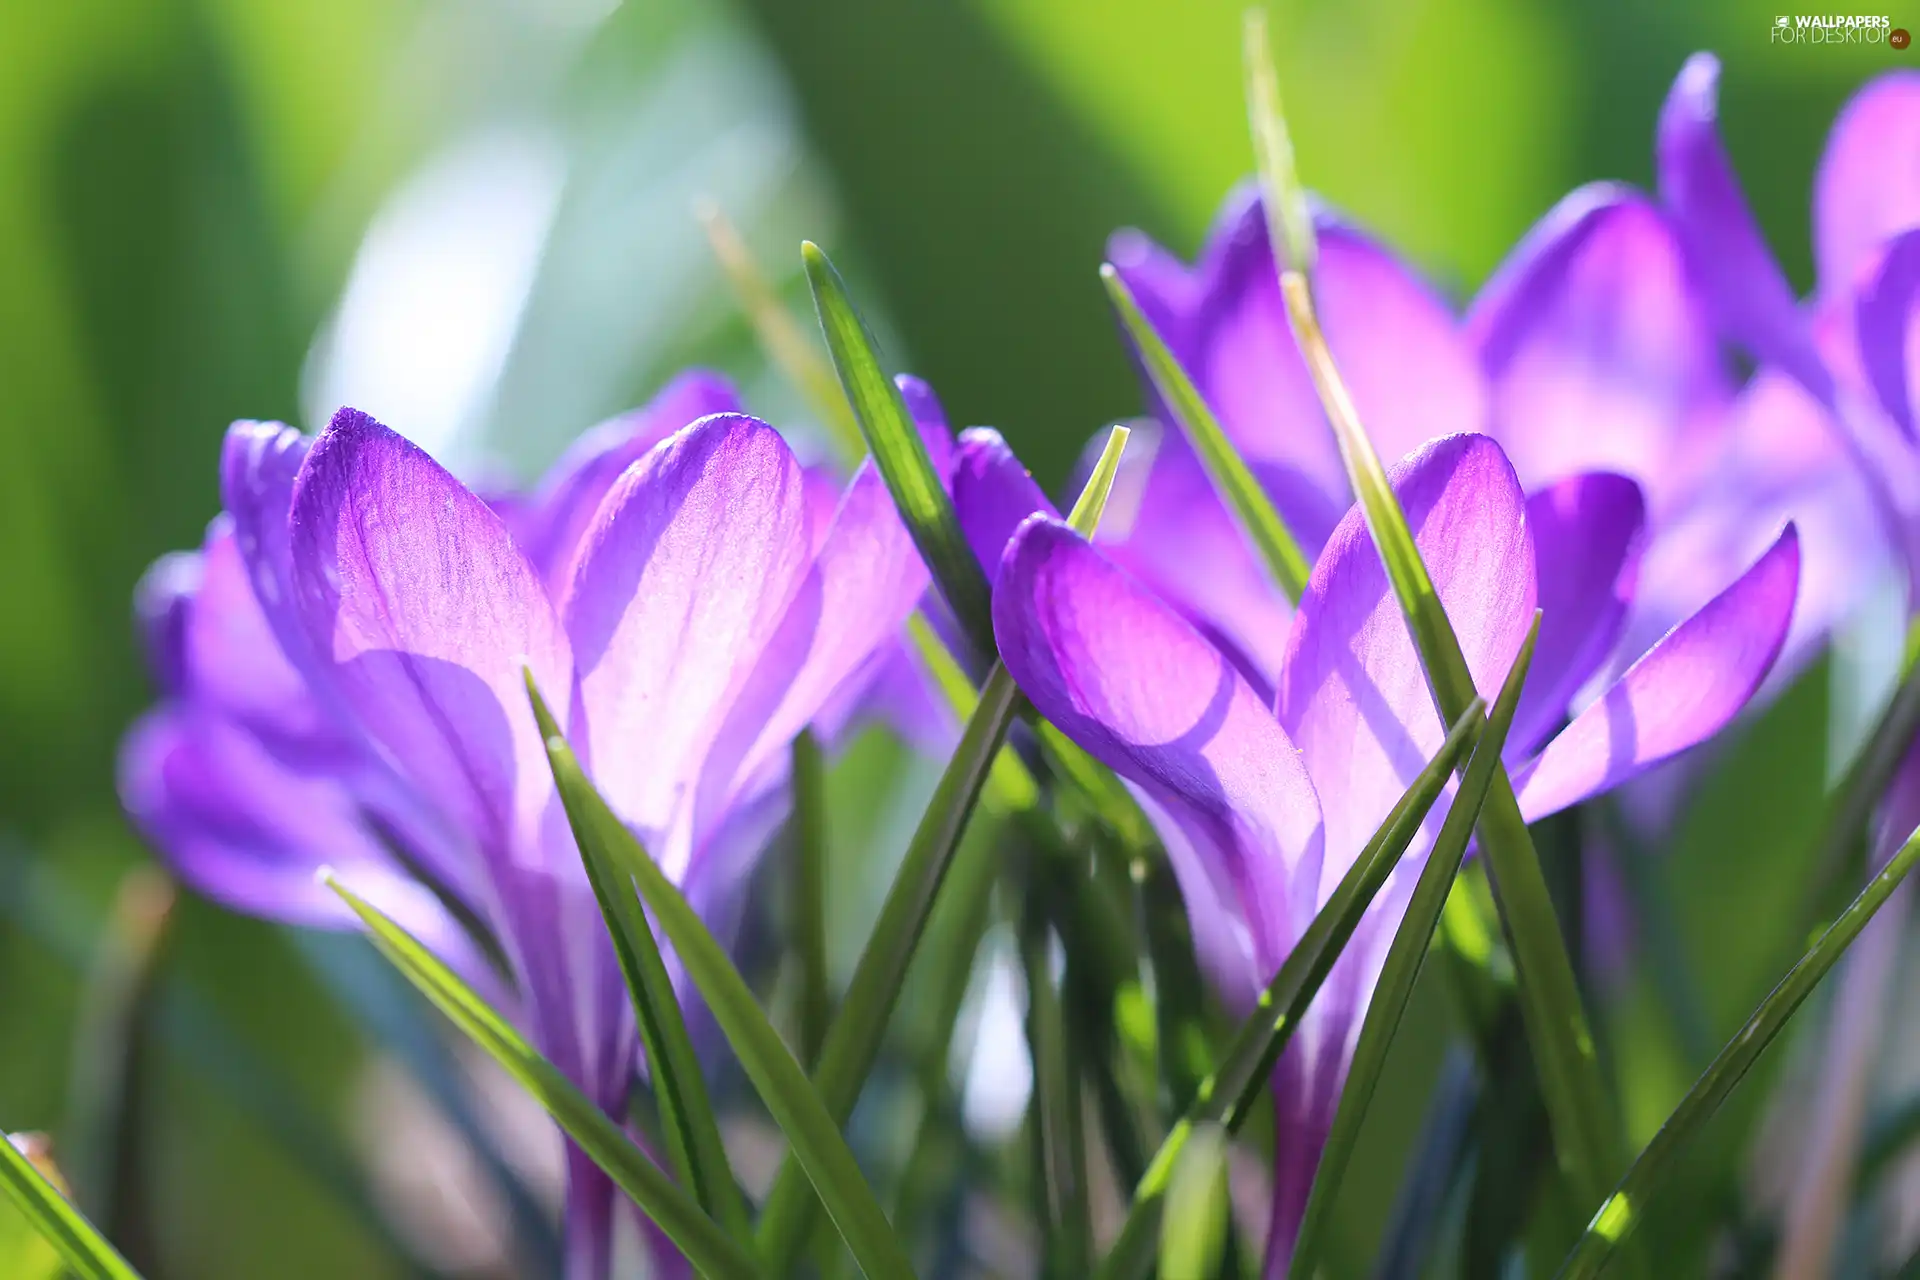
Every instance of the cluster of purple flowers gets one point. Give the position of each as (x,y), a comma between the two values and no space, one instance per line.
(342,659)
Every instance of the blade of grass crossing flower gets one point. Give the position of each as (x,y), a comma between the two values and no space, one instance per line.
(1586,1140)
(711,1250)
(1404,957)
(853,1039)
(899,452)
(1232,478)
(692,1134)
(82,1247)
(1228,1095)
(1289,223)
(1621,1212)
(812,1131)
(780,335)
(810,891)
(1199,1210)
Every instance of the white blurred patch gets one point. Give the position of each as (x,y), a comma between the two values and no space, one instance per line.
(998,1072)
(438,287)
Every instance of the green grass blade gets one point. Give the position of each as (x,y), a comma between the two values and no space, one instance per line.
(1289,222)
(711,1250)
(1586,1139)
(810,892)
(781,337)
(853,1040)
(1232,478)
(900,453)
(1404,957)
(680,1093)
(1060,1150)
(811,1129)
(82,1247)
(1228,1094)
(1621,1212)
(1199,1210)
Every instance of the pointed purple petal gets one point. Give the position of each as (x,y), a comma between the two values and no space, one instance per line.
(1125,677)
(928,414)
(993,494)
(425,612)
(688,570)
(1682,692)
(1738,277)
(1600,355)
(1353,695)
(562,508)
(1868,188)
(1588,533)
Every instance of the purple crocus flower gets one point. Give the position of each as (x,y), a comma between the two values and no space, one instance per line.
(344,662)
(1592,355)
(1264,799)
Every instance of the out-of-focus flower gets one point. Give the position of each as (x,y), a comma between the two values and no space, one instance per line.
(1263,801)
(344,666)
(1594,353)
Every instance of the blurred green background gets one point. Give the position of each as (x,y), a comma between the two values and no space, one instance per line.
(474,219)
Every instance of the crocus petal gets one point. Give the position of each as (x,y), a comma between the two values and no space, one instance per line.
(1403,357)
(928,414)
(162,604)
(1868,187)
(859,593)
(247,831)
(259,465)
(1181,539)
(414,594)
(993,494)
(1597,348)
(1128,679)
(690,566)
(1883,320)
(1739,279)
(1683,691)
(1587,538)
(1353,694)
(564,505)
(233,660)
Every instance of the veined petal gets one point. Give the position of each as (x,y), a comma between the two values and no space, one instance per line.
(1353,695)
(863,585)
(425,612)
(1737,276)
(1599,353)
(1683,691)
(1588,533)
(563,507)
(1128,679)
(1868,186)
(690,566)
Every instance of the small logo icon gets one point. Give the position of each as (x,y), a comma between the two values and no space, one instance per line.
(1781,21)
(1899,38)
